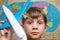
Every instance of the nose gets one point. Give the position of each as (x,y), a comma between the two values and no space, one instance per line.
(34,26)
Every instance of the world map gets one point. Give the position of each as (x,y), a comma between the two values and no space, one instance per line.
(52,13)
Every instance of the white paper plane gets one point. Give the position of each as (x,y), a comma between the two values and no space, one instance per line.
(15,25)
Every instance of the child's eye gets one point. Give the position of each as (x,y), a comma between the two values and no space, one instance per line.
(39,22)
(29,22)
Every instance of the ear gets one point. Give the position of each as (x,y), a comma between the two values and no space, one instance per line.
(46,26)
(21,23)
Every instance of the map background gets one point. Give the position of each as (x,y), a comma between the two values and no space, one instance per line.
(47,35)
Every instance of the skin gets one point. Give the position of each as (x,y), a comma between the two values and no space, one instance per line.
(3,35)
(34,28)
(6,37)
(10,31)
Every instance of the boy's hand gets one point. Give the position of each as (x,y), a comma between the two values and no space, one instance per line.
(5,36)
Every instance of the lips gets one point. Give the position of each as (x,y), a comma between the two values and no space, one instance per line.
(34,33)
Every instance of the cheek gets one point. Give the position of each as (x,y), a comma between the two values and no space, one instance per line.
(41,28)
(27,29)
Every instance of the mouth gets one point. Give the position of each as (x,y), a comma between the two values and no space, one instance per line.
(35,33)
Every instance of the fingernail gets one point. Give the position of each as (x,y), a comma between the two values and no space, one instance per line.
(5,31)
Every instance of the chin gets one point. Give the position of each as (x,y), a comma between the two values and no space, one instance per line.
(35,37)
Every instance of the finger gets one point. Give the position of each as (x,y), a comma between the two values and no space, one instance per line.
(5,31)
(1,22)
(10,33)
(2,33)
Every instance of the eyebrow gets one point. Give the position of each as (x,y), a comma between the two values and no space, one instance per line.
(29,20)
(40,19)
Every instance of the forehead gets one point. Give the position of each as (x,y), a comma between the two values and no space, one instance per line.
(39,18)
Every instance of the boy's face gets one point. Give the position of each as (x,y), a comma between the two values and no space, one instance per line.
(34,28)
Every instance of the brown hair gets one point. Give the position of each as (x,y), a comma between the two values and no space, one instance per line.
(35,12)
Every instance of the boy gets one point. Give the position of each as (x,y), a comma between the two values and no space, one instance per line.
(34,23)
